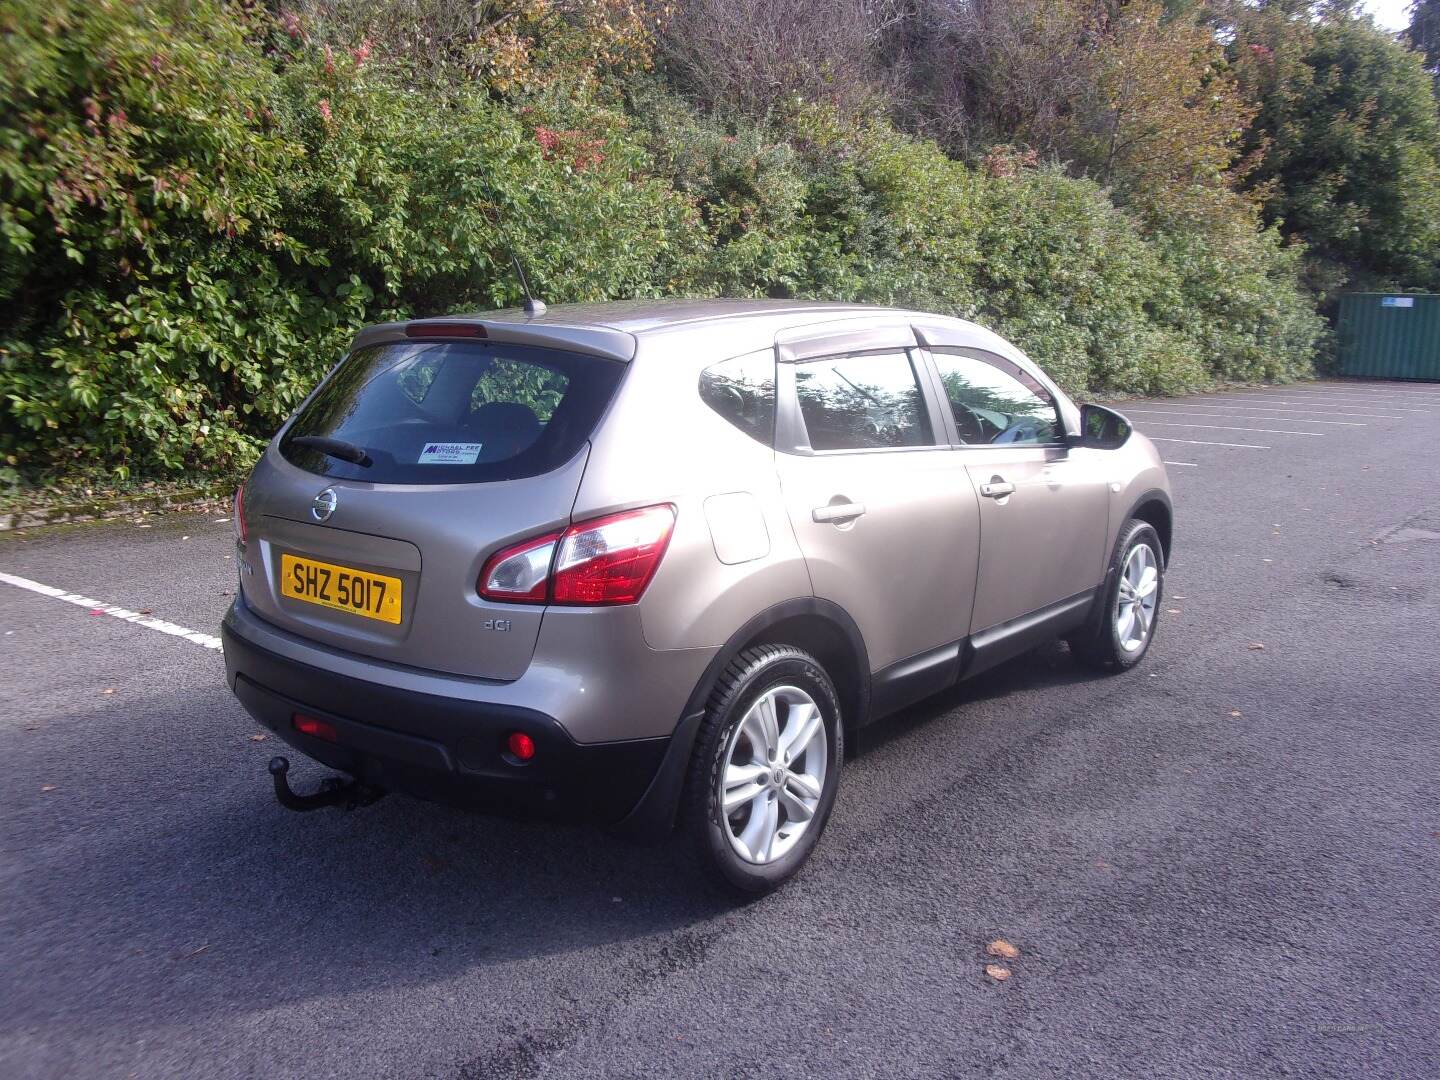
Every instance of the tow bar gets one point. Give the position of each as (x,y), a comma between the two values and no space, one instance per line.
(334,791)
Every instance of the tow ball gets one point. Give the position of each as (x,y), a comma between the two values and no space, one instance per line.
(333,791)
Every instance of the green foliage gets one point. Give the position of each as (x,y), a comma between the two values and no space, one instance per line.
(188,251)
(1351,145)
(828,212)
(200,204)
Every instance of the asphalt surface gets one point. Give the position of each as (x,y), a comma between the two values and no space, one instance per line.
(1224,863)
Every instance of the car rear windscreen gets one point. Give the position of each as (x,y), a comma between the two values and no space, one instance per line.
(444,412)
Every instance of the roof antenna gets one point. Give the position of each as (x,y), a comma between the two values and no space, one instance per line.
(533,307)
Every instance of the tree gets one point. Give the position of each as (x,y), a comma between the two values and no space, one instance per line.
(1124,91)
(1424,32)
(1350,141)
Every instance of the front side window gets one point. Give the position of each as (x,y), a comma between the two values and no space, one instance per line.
(446,412)
(995,406)
(742,390)
(867,401)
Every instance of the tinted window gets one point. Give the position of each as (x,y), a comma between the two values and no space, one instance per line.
(742,390)
(861,402)
(432,412)
(992,405)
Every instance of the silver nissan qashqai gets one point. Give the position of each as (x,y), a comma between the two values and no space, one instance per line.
(654,564)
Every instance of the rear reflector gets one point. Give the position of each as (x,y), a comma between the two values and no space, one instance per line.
(314,727)
(520,745)
(445,330)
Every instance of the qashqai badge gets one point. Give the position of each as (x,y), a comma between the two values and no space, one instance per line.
(323,505)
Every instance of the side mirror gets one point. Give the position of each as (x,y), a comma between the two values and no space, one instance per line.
(1102,428)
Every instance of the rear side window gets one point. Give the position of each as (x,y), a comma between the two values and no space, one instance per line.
(439,412)
(742,390)
(868,401)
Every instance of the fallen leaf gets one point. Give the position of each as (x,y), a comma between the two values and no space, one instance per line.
(1257,646)
(47,787)
(998,972)
(1172,611)
(221,521)
(97,611)
(146,611)
(108,690)
(257,738)
(1001,947)
(1234,712)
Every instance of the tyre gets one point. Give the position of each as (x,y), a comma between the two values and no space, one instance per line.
(1120,632)
(765,769)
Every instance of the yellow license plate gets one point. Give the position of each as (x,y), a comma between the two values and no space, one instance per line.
(373,596)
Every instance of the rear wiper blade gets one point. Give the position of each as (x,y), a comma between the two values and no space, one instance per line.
(336,448)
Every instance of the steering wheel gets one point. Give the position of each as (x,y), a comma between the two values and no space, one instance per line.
(1026,429)
(969,423)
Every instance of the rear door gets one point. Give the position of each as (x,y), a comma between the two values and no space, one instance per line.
(888,530)
(469,446)
(1044,507)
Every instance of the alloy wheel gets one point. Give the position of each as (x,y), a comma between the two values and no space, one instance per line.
(1138,594)
(773,774)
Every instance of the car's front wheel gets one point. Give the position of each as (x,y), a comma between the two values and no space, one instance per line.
(766,768)
(1123,626)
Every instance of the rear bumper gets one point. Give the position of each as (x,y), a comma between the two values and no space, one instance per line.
(441,748)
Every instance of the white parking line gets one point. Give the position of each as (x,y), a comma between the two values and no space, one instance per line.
(1270,409)
(1267,419)
(1199,442)
(1416,397)
(1192,464)
(1415,386)
(1323,404)
(207,641)
(1227,427)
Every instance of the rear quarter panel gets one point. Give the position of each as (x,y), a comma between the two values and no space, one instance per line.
(661,443)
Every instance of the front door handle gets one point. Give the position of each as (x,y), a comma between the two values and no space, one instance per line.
(837,513)
(997,488)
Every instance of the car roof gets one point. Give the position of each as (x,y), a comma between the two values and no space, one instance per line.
(612,329)
(641,316)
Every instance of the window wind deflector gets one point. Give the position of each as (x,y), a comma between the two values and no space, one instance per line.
(336,448)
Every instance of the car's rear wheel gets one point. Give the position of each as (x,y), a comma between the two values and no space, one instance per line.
(1123,626)
(766,768)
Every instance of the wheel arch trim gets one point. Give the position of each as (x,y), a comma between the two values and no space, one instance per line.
(654,814)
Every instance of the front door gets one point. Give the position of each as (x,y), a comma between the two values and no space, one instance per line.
(1044,507)
(889,531)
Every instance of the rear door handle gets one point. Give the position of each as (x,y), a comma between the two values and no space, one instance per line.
(837,512)
(997,489)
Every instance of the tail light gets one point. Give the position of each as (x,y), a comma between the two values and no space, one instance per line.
(606,560)
(237,516)
(610,560)
(520,574)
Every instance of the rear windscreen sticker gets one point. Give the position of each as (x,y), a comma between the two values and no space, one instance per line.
(450,453)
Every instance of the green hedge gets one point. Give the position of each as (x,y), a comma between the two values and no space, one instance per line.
(198,207)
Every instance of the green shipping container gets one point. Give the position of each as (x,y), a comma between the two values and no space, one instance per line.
(1390,335)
